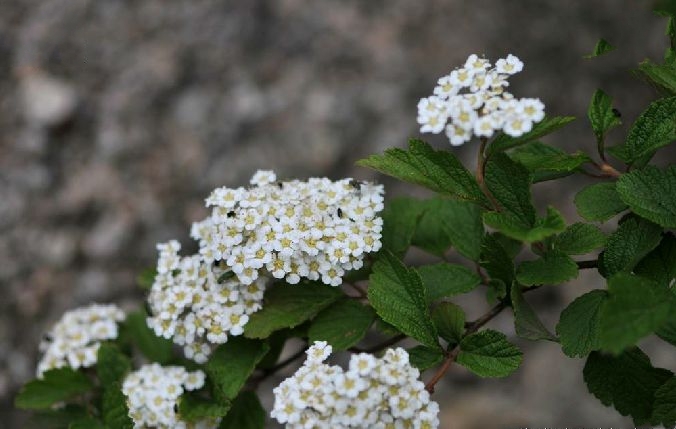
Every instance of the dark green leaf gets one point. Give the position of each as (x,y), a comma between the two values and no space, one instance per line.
(602,47)
(398,296)
(527,324)
(547,126)
(496,260)
(509,182)
(56,385)
(664,409)
(114,408)
(59,418)
(601,114)
(445,280)
(579,238)
(439,171)
(651,193)
(286,306)
(342,324)
(662,75)
(578,328)
(87,423)
(450,321)
(231,365)
(146,278)
(192,408)
(423,357)
(111,365)
(155,348)
(510,226)
(668,330)
(660,264)
(656,127)
(489,354)
(400,219)
(545,162)
(628,382)
(599,202)
(633,239)
(246,413)
(551,268)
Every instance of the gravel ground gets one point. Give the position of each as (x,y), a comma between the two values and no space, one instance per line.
(118,117)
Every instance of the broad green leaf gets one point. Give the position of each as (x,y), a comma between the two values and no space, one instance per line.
(56,385)
(87,423)
(620,152)
(488,354)
(651,193)
(635,308)
(192,408)
(439,171)
(664,408)
(423,357)
(599,202)
(579,238)
(114,410)
(656,127)
(496,260)
(660,264)
(551,224)
(59,418)
(400,220)
(547,126)
(662,75)
(602,47)
(450,321)
(668,330)
(509,183)
(601,114)
(156,349)
(232,363)
(628,382)
(286,306)
(342,324)
(112,365)
(398,296)
(633,239)
(430,235)
(551,268)
(445,280)
(545,162)
(578,327)
(527,324)
(146,279)
(246,413)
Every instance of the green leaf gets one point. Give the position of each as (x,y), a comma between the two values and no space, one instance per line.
(579,238)
(156,349)
(231,365)
(496,259)
(545,162)
(633,239)
(56,385)
(59,418)
(286,306)
(111,364)
(599,202)
(445,280)
(578,327)
(87,423)
(662,75)
(664,408)
(192,408)
(489,354)
(601,114)
(114,408)
(551,268)
(527,324)
(551,224)
(547,126)
(398,296)
(655,128)
(424,358)
(659,265)
(400,220)
(439,171)
(450,321)
(146,279)
(602,47)
(509,183)
(246,413)
(342,324)
(668,330)
(651,193)
(635,308)
(628,382)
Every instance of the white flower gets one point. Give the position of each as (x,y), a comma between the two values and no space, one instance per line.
(509,65)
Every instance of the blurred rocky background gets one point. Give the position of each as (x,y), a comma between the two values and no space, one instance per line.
(118,117)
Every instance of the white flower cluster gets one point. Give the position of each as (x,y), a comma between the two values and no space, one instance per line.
(75,339)
(190,305)
(152,394)
(373,393)
(472,100)
(316,229)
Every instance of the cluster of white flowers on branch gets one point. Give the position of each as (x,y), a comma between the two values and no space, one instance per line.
(372,393)
(472,100)
(75,339)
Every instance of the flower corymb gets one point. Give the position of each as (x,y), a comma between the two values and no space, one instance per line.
(472,101)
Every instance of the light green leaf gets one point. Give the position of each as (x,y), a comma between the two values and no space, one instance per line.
(651,193)
(599,202)
(398,296)
(246,413)
(579,238)
(551,224)
(439,171)
(232,363)
(287,306)
(660,264)
(489,354)
(400,220)
(551,268)
(664,408)
(602,47)
(509,182)
(601,114)
(450,321)
(547,126)
(633,239)
(628,382)
(423,357)
(342,324)
(662,75)
(56,385)
(655,128)
(112,365)
(114,408)
(155,348)
(192,408)
(445,280)
(545,162)
(578,327)
(527,324)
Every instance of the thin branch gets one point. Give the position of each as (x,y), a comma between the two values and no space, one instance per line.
(378,347)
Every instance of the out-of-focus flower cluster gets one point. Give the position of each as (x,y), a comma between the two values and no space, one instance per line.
(75,339)
(472,100)
(152,395)
(372,393)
